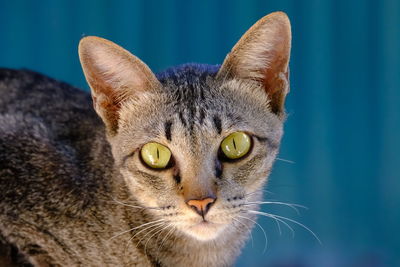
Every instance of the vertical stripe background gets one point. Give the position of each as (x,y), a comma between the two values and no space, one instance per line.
(343,130)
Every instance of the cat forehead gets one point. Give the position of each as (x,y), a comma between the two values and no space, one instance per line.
(192,86)
(194,110)
(189,84)
(196,96)
(193,100)
(191,94)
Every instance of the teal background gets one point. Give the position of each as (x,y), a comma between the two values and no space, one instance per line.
(343,129)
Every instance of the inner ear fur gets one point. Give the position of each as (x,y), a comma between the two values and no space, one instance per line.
(262,54)
(114,76)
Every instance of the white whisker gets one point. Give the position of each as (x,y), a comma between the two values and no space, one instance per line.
(291,205)
(133,206)
(248,229)
(277,220)
(166,236)
(152,230)
(262,229)
(286,160)
(146,228)
(290,220)
(155,233)
(258,191)
(134,228)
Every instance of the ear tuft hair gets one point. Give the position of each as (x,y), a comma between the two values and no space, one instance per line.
(262,54)
(114,75)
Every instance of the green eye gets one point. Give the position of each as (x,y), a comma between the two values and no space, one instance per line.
(155,155)
(236,145)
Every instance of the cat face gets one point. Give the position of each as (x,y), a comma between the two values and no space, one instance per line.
(193,129)
(172,135)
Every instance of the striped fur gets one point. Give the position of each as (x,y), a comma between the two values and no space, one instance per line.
(75,191)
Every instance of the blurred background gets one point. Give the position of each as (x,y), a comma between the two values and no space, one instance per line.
(342,139)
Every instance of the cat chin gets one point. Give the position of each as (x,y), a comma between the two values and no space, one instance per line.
(205,231)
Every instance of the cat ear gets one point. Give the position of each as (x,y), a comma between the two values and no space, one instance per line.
(114,76)
(262,55)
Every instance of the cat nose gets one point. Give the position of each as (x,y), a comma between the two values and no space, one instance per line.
(201,206)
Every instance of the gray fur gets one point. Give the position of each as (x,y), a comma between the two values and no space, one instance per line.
(75,192)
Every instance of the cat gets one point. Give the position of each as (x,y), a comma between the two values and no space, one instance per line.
(166,170)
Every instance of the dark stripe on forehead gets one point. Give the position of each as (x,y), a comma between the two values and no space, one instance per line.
(217,124)
(202,115)
(167,128)
(182,118)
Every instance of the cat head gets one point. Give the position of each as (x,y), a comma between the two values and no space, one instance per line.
(196,143)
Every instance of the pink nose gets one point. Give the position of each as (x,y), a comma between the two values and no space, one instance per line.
(201,206)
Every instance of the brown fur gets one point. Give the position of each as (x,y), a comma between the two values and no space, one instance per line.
(95,203)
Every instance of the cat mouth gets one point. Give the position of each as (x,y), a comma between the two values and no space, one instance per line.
(205,230)
(204,223)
